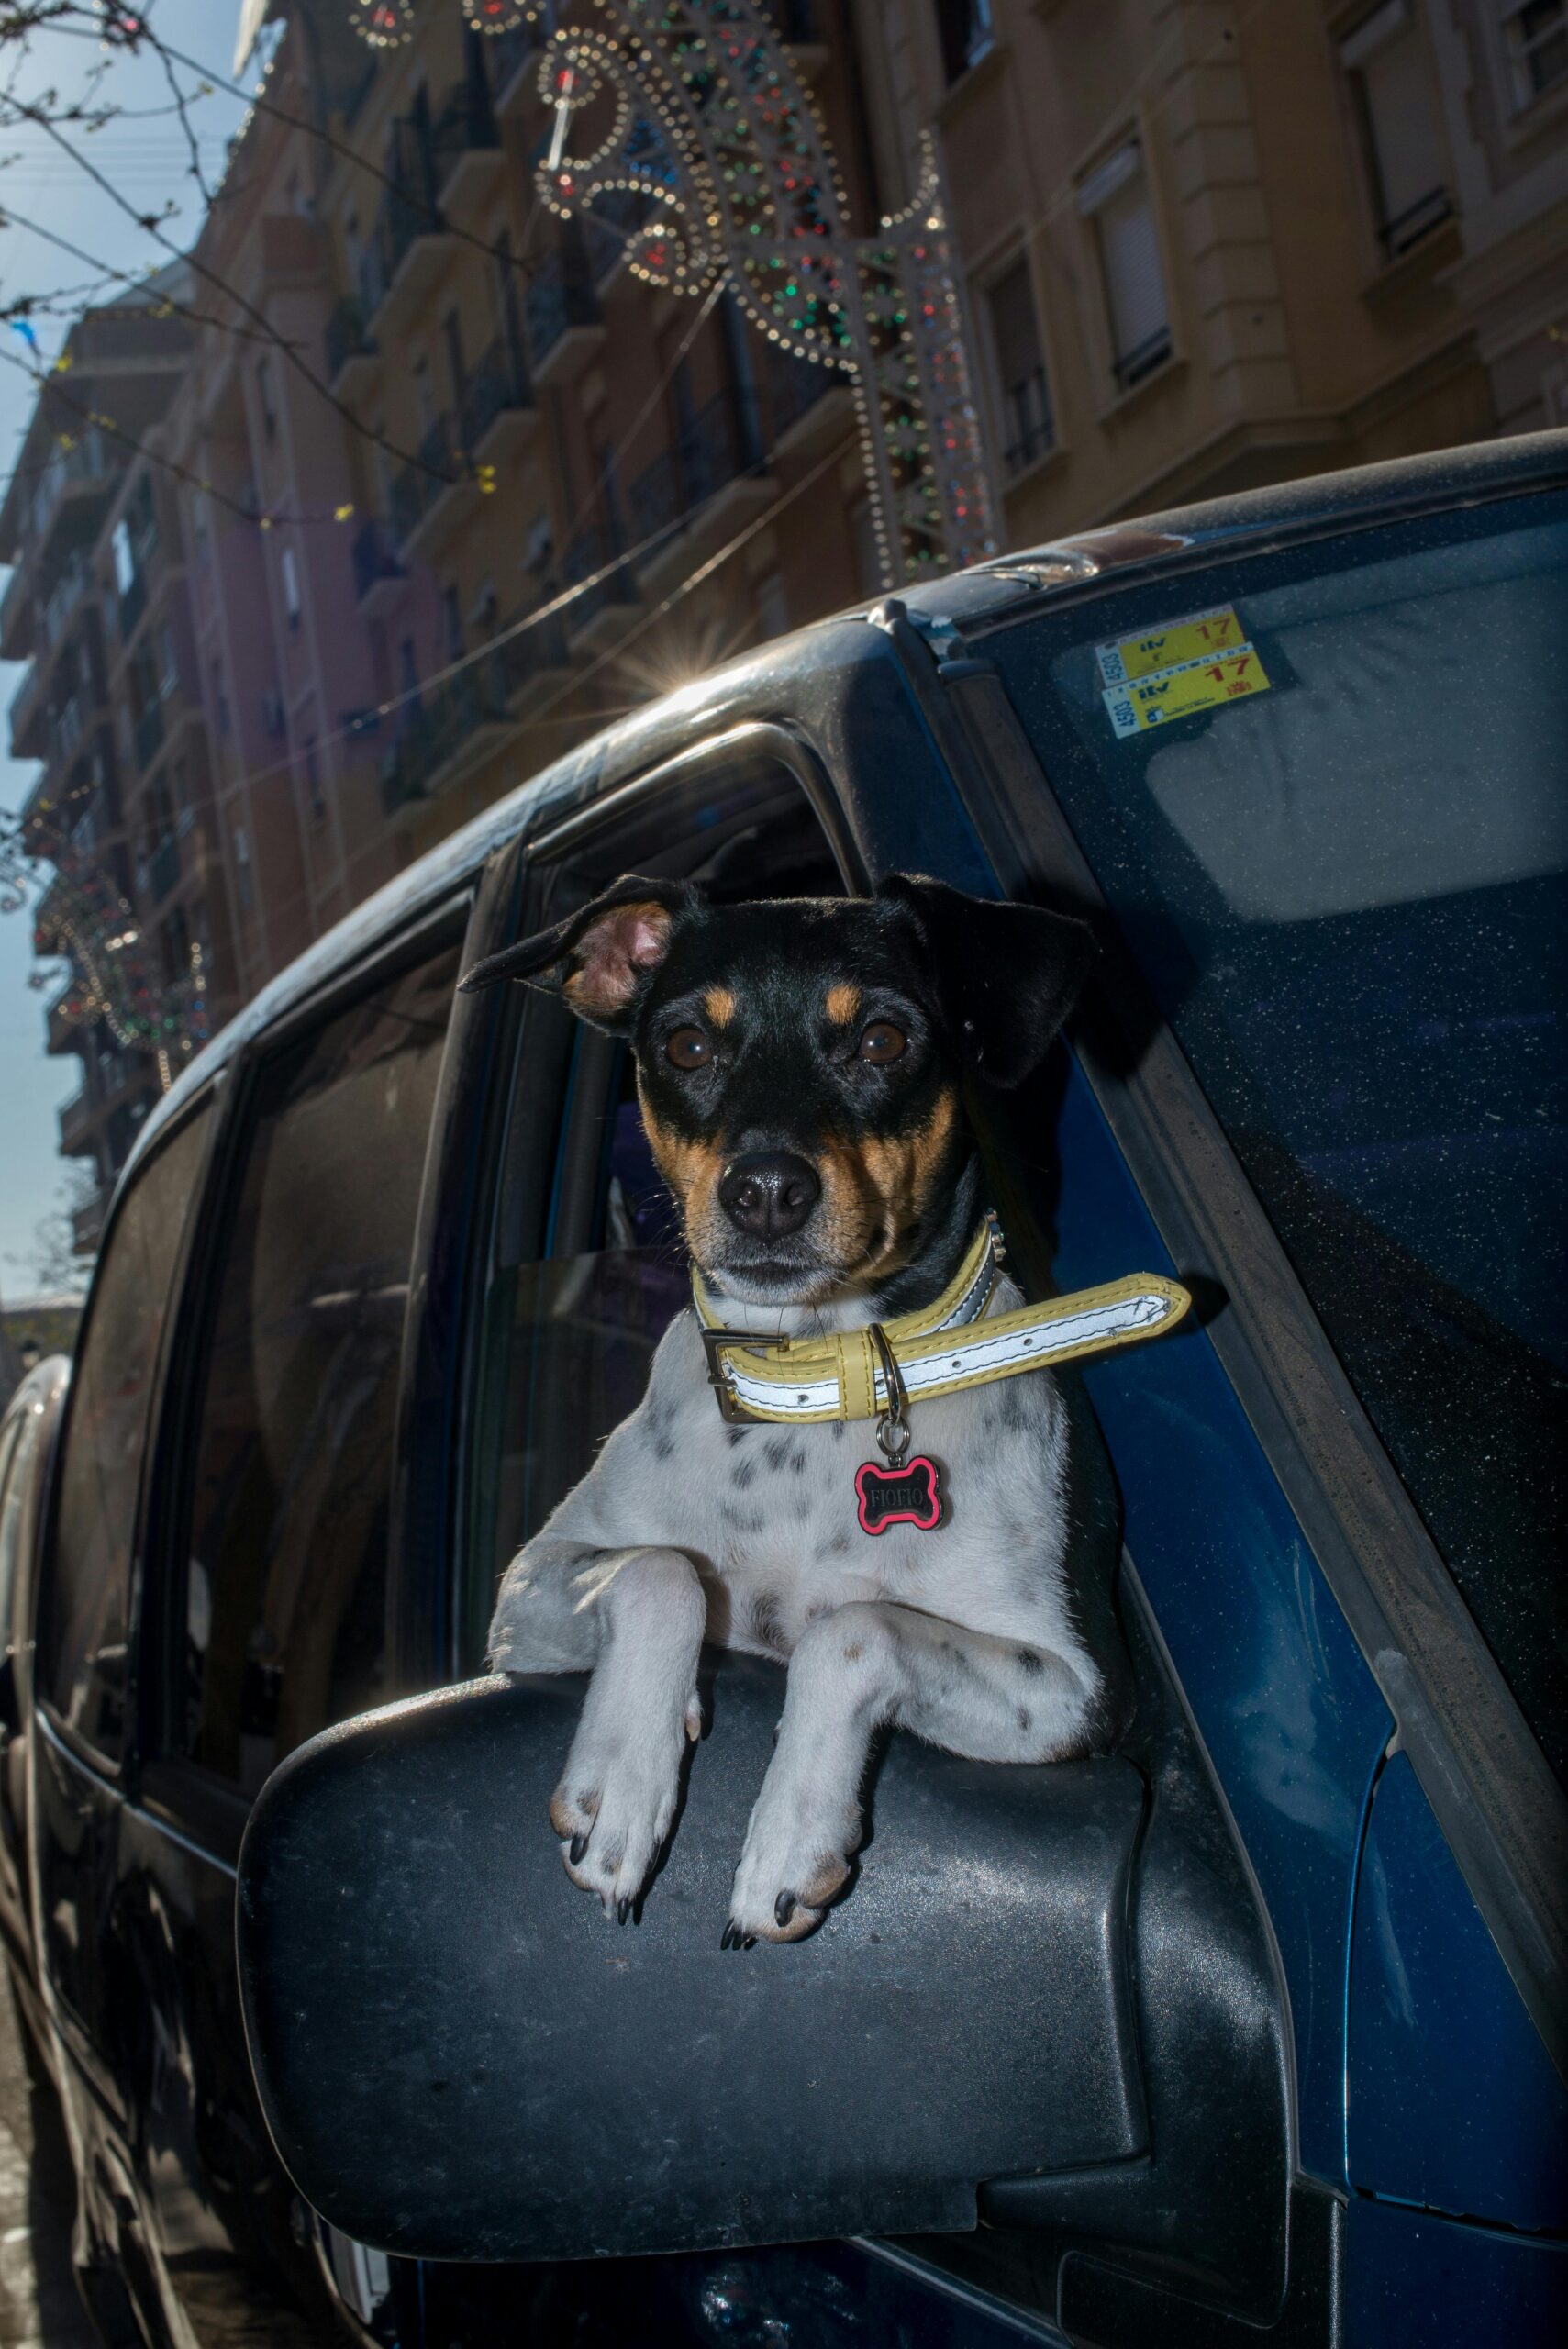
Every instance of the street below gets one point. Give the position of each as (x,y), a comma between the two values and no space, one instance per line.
(39,2307)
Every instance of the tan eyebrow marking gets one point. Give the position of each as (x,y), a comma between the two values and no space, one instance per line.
(843,1002)
(720,1005)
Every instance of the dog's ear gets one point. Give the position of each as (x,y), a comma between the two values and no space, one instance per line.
(1008,974)
(600,959)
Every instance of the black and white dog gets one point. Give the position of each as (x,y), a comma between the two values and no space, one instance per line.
(800,1066)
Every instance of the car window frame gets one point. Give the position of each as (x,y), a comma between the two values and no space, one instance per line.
(527,878)
(1489,1785)
(177,1793)
(120,1770)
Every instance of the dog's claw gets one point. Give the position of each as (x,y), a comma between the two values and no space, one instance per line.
(623,1911)
(579,1845)
(784,1907)
(724,1938)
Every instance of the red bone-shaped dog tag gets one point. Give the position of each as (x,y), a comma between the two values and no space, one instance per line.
(910,1494)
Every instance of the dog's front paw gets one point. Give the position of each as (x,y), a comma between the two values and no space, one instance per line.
(615,1803)
(790,1872)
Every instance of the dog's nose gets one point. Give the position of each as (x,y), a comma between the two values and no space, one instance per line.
(768,1194)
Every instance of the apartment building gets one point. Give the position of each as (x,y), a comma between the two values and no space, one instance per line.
(96,603)
(1211,246)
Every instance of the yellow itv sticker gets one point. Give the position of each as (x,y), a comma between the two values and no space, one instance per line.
(1215,631)
(1190,686)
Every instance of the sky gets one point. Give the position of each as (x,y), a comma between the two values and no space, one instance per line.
(144,153)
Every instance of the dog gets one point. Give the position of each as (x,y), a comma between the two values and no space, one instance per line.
(801,1066)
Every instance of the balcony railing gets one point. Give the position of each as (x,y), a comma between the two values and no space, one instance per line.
(595,549)
(558,297)
(75,1118)
(416,489)
(375,558)
(437,727)
(795,387)
(465,126)
(346,337)
(499,382)
(74,580)
(94,460)
(147,734)
(722,442)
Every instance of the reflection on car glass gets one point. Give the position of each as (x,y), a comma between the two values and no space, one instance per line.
(1349,898)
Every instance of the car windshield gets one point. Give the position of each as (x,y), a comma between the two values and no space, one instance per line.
(1327,794)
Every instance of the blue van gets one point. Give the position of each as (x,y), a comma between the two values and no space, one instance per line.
(1254,2032)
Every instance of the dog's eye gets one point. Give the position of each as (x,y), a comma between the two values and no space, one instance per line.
(688,1048)
(882,1042)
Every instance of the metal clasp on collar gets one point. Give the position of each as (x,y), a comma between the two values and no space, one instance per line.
(731,1407)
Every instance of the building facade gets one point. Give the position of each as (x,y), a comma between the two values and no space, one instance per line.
(418,483)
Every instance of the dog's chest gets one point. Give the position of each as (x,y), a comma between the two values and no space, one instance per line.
(771,1513)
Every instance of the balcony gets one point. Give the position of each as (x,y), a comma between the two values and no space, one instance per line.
(16,616)
(705,486)
(75,485)
(379,574)
(498,412)
(26,714)
(513,59)
(601,612)
(446,736)
(352,362)
(76,1124)
(147,735)
(133,603)
(811,406)
(465,143)
(426,496)
(534,662)
(411,249)
(562,316)
(87,1224)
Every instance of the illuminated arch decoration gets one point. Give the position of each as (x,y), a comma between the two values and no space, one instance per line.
(695,106)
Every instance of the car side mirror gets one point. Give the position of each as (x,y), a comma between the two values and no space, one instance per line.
(460,2058)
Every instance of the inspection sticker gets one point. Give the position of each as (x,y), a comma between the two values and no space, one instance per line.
(1188,639)
(1188,686)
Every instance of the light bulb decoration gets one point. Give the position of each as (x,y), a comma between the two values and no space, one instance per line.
(694,107)
(384,24)
(495,15)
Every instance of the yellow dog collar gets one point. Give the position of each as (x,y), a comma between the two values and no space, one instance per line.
(942,1348)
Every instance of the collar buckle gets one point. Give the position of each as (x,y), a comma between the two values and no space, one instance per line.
(730,1408)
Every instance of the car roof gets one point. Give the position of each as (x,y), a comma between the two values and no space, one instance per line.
(1003,585)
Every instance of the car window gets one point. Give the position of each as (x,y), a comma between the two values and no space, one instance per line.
(1324,792)
(85,1597)
(573,1311)
(284,1607)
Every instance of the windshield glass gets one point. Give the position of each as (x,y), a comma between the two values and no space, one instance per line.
(1327,794)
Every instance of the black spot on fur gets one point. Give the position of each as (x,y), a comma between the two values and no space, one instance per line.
(838,1545)
(733,1435)
(1026,1721)
(752,1522)
(775,1451)
(797,1460)
(663,1447)
(741,1476)
(838,1429)
(1028,1661)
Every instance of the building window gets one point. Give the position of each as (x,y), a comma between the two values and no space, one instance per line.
(1536,38)
(168,668)
(966,32)
(313,782)
(264,391)
(290,570)
(243,868)
(1116,201)
(125,561)
(220,700)
(1026,427)
(1391,87)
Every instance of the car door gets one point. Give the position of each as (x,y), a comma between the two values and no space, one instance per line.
(26,1451)
(83,1689)
(265,1609)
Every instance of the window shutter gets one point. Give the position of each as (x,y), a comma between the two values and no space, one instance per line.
(1020,368)
(1117,196)
(1386,56)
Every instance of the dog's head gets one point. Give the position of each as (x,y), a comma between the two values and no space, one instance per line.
(800,1060)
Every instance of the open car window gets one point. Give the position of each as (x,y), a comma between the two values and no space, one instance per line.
(1324,797)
